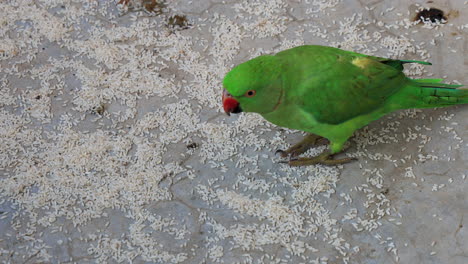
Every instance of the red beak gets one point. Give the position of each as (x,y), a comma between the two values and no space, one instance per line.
(230,104)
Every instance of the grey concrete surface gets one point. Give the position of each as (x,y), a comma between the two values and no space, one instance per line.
(114,147)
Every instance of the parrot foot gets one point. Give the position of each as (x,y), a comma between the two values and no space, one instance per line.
(325,158)
(309,141)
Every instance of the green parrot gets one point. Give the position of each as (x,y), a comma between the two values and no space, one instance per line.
(329,93)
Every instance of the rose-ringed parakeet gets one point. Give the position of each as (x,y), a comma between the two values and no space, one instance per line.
(329,93)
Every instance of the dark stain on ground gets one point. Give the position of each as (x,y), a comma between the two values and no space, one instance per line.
(431,14)
(178,22)
(151,6)
(154,6)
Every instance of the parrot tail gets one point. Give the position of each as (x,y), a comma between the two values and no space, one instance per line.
(432,93)
(415,61)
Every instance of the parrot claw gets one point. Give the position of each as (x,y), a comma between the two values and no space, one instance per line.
(280,151)
(309,141)
(325,159)
(123,2)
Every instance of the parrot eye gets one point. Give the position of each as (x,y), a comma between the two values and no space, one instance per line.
(250,93)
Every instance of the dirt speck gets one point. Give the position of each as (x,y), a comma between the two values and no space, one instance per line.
(453,13)
(192,145)
(99,110)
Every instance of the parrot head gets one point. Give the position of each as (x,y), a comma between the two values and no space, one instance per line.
(253,86)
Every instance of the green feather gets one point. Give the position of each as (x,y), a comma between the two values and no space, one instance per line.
(331,92)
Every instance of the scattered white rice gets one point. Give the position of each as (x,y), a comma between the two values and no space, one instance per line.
(106,131)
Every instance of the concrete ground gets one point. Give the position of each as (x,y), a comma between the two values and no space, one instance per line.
(114,147)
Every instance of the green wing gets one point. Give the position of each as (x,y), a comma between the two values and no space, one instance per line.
(335,86)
